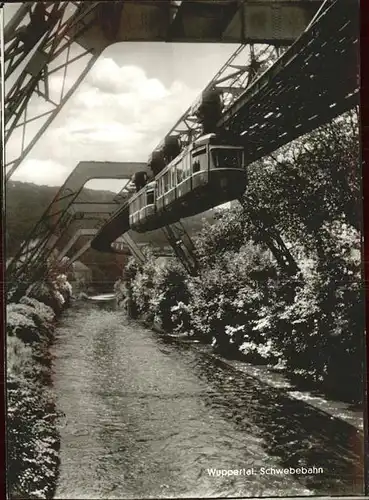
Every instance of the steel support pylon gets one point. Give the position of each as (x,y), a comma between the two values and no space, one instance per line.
(183,246)
(39,44)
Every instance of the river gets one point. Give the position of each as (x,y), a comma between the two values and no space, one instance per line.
(145,418)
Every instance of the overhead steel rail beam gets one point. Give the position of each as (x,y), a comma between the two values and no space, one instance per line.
(91,216)
(279,106)
(40,34)
(112,230)
(200,21)
(233,79)
(234,76)
(124,241)
(30,258)
(300,91)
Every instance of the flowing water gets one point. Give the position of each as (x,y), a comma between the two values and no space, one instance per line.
(145,418)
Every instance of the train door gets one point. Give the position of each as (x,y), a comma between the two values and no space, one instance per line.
(200,167)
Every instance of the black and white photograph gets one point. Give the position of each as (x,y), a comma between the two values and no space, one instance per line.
(183,240)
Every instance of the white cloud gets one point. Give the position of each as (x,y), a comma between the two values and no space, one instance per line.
(47,172)
(119,113)
(116,126)
(108,77)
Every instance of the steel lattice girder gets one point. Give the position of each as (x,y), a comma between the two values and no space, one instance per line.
(34,48)
(183,246)
(225,21)
(294,96)
(52,28)
(300,91)
(58,216)
(238,72)
(123,244)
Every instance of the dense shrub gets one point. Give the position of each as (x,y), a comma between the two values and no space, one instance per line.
(32,436)
(246,301)
(32,443)
(170,289)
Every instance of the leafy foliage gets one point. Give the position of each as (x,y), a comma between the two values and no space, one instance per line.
(32,443)
(244,302)
(33,439)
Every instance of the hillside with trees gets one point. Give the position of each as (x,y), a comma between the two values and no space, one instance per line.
(25,204)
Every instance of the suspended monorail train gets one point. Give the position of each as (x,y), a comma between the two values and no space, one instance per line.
(205,174)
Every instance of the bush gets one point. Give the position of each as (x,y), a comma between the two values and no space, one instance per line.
(169,290)
(32,443)
(33,439)
(20,323)
(301,206)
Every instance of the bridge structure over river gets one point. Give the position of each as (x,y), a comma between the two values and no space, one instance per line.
(266,106)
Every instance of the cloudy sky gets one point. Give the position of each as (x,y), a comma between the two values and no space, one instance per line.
(126,104)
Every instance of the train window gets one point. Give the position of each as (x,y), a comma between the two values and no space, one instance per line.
(184,163)
(199,160)
(196,166)
(166,181)
(186,166)
(180,171)
(173,175)
(150,197)
(227,158)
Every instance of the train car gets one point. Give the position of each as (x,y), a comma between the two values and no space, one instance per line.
(142,206)
(204,175)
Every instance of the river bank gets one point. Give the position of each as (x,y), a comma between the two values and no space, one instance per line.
(352,415)
(145,418)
